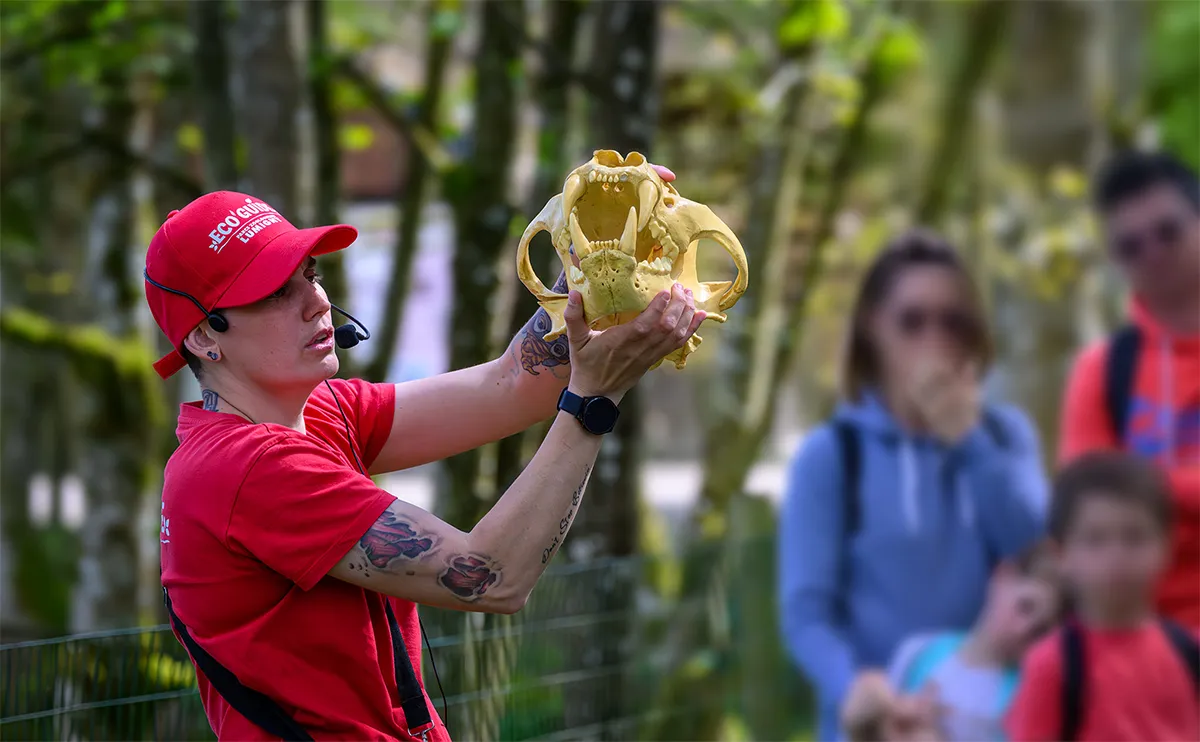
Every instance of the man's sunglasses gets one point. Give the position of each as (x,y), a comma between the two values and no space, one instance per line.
(1165,232)
(913,321)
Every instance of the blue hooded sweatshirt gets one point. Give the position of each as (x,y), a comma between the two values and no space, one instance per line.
(932,521)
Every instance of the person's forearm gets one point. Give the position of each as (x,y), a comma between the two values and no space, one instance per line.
(529,523)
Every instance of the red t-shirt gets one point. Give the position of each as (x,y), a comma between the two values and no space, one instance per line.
(253,517)
(1136,687)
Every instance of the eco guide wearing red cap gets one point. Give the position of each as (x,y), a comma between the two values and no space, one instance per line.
(224,249)
(289,576)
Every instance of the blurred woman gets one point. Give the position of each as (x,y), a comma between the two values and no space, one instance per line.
(898,508)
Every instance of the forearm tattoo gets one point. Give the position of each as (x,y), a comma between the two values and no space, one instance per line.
(394,545)
(533,353)
(210,399)
(469,577)
(565,524)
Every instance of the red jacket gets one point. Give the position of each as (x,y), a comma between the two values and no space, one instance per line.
(1164,425)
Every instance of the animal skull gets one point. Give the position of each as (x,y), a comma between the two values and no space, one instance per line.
(623,235)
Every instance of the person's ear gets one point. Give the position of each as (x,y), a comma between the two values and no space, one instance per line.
(202,345)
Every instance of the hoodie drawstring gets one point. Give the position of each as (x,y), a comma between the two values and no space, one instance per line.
(908,485)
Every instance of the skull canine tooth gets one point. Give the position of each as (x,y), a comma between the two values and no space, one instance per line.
(577,275)
(574,188)
(628,241)
(582,246)
(647,196)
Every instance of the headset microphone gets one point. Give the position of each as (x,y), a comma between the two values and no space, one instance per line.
(347,336)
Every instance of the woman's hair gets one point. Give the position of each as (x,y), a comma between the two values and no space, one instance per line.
(914,248)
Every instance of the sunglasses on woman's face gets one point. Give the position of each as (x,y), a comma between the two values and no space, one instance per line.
(914,321)
(1166,232)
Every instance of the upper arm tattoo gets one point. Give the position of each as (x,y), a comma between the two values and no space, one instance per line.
(395,545)
(532,352)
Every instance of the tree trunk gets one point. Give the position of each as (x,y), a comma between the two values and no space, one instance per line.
(553,163)
(477,189)
(624,118)
(1050,121)
(267,88)
(986,29)
(209,21)
(328,194)
(411,196)
(755,322)
(115,460)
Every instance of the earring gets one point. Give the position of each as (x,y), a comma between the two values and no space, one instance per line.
(212,355)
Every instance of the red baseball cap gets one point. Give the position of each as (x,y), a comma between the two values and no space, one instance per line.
(225,249)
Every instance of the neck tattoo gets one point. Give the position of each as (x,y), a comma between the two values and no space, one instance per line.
(211,399)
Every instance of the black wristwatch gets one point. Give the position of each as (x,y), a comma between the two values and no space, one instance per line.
(597,415)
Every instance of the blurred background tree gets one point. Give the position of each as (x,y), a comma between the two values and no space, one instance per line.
(814,128)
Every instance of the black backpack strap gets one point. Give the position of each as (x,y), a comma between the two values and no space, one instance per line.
(267,714)
(1074,685)
(255,706)
(1120,367)
(851,464)
(412,697)
(1186,646)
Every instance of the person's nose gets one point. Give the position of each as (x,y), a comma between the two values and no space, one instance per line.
(317,304)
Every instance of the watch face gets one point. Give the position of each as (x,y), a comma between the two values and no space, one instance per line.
(600,415)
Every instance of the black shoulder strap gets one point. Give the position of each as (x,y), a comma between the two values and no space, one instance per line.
(1120,366)
(412,697)
(848,445)
(1073,686)
(267,714)
(1186,646)
(251,704)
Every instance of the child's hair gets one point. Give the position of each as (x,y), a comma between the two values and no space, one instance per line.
(1108,474)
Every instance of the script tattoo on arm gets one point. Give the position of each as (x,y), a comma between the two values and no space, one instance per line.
(565,523)
(210,399)
(532,352)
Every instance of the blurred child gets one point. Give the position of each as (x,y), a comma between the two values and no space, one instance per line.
(1114,671)
(973,675)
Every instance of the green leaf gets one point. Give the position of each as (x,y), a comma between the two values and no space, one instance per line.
(356,137)
(900,50)
(190,138)
(814,20)
(445,23)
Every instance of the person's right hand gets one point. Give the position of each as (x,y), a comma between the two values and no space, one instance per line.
(609,362)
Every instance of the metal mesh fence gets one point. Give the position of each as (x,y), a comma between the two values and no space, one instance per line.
(587,658)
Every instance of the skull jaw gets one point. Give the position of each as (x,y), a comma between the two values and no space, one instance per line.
(615,288)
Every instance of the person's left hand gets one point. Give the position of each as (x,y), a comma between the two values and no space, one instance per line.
(663,172)
(947,397)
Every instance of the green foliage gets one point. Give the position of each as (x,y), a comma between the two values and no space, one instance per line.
(900,50)
(355,137)
(1174,72)
(45,570)
(813,21)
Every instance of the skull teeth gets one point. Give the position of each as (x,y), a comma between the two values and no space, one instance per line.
(572,191)
(629,235)
(576,276)
(659,266)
